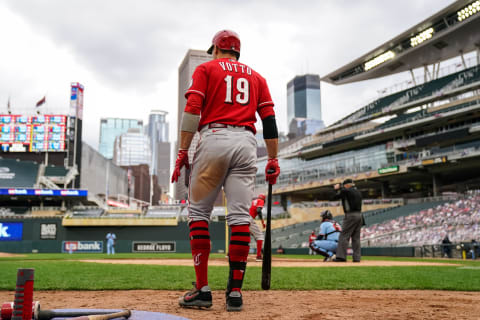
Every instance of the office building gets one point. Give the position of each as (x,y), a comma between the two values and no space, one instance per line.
(304,109)
(110,128)
(132,148)
(157,131)
(192,59)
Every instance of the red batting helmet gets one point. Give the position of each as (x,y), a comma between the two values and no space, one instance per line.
(261,196)
(226,40)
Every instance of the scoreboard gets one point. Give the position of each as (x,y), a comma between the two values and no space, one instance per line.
(40,133)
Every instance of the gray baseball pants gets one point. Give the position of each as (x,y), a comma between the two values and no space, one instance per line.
(225,157)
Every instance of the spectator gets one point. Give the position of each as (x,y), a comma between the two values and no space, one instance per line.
(280,250)
(473,249)
(446,247)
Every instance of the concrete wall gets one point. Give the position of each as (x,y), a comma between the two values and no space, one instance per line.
(94,174)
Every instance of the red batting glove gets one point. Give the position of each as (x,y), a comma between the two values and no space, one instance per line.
(182,160)
(272,171)
(263,223)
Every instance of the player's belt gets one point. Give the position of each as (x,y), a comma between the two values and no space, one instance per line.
(222,125)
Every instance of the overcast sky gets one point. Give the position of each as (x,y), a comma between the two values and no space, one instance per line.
(126,53)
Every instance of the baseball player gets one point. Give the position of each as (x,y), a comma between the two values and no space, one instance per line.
(111,237)
(327,239)
(311,238)
(256,209)
(222,102)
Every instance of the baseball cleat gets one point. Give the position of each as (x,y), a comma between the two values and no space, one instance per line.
(197,298)
(258,259)
(339,260)
(328,259)
(234,301)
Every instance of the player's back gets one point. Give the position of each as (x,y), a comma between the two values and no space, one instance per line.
(232,92)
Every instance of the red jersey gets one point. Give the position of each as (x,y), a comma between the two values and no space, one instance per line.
(257,203)
(232,93)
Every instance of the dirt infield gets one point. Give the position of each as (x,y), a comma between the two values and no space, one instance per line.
(331,304)
(279,304)
(276,262)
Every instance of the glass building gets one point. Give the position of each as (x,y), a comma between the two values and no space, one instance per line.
(192,59)
(132,148)
(110,128)
(304,104)
(157,131)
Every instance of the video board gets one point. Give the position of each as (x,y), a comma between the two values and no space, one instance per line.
(40,133)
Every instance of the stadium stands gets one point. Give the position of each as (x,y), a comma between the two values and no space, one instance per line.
(87,212)
(460,219)
(164,211)
(296,236)
(436,87)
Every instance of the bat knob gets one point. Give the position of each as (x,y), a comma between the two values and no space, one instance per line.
(36,309)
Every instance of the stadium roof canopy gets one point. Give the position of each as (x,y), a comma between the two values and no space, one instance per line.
(444,35)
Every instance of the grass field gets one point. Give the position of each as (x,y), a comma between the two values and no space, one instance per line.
(66,272)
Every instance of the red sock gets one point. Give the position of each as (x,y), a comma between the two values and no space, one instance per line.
(259,248)
(200,245)
(237,256)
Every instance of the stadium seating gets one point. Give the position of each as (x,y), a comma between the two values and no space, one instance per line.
(435,87)
(460,219)
(87,212)
(296,236)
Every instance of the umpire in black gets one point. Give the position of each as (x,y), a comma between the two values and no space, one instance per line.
(353,221)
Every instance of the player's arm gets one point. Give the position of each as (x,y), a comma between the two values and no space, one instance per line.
(259,213)
(190,121)
(270,132)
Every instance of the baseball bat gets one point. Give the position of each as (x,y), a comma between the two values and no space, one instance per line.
(125,313)
(50,314)
(267,247)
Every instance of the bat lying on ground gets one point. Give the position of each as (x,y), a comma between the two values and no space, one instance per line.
(125,313)
(50,314)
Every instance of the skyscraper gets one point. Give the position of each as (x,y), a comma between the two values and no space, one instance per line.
(192,59)
(132,148)
(304,109)
(157,131)
(110,128)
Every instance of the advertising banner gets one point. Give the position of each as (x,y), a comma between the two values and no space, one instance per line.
(153,247)
(43,192)
(11,231)
(82,246)
(48,231)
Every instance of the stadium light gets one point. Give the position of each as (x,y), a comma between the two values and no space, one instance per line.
(468,11)
(421,37)
(379,60)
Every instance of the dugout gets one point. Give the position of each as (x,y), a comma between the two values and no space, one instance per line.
(48,235)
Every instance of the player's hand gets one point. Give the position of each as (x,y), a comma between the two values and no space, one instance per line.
(272,171)
(263,224)
(182,160)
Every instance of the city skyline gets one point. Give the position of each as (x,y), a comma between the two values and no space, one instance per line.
(128,59)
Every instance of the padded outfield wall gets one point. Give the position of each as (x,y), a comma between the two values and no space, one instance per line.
(47,235)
